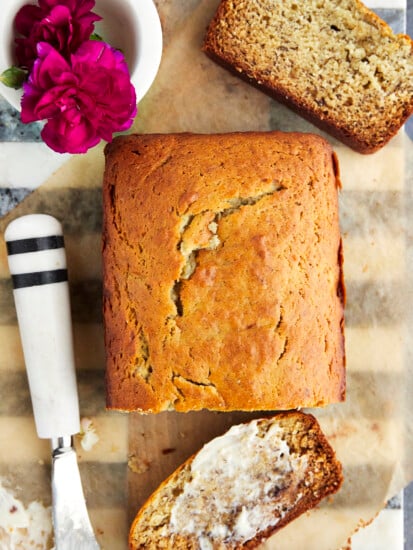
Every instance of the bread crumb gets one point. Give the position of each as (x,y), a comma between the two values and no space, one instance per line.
(87,435)
(138,465)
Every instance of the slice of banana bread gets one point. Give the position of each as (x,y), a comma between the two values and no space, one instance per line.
(241,487)
(333,61)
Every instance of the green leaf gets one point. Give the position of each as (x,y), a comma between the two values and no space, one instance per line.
(13,77)
(95,36)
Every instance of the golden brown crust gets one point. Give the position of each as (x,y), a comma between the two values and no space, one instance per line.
(322,477)
(369,123)
(215,248)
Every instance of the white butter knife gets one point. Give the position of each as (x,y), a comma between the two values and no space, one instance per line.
(37,262)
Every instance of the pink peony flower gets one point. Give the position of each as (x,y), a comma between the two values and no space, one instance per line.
(84,101)
(64,24)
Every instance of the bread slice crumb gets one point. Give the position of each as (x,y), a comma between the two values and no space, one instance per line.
(241,487)
(333,61)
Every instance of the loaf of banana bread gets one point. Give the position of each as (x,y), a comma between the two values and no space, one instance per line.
(222,267)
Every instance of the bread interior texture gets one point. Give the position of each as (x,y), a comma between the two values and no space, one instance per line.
(241,487)
(332,58)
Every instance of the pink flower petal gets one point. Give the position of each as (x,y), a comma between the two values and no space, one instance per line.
(65,137)
(65,24)
(83,102)
(26,17)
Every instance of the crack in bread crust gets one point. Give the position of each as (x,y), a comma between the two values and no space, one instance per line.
(207,221)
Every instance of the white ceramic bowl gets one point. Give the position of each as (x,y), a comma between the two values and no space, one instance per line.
(133,26)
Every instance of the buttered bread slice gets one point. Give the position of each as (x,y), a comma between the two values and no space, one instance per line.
(241,487)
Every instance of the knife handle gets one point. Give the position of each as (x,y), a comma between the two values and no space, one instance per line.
(37,262)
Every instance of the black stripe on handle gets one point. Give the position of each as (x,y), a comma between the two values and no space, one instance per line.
(37,278)
(35,244)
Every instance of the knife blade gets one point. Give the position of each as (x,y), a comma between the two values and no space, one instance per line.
(71,522)
(37,262)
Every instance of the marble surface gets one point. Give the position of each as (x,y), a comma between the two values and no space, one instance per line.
(25,164)
(13,130)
